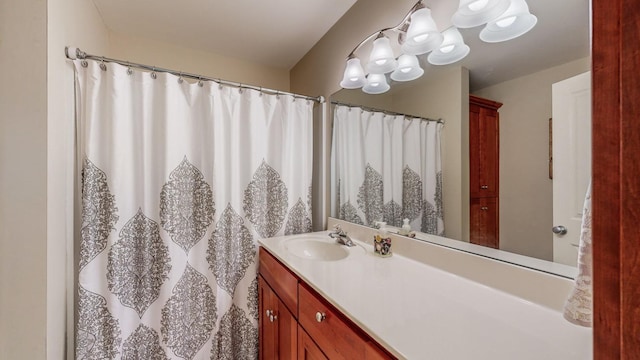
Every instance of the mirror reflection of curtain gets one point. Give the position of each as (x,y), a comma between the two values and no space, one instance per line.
(386,168)
(178,183)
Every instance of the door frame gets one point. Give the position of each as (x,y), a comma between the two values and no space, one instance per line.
(616,188)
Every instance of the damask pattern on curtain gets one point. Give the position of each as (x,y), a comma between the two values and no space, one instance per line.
(179,180)
(386,168)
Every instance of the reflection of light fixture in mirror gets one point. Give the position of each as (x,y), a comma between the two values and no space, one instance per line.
(423,35)
(376,84)
(353,74)
(408,68)
(381,60)
(453,48)
(477,12)
(516,21)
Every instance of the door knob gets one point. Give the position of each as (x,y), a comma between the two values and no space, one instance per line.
(320,316)
(559,230)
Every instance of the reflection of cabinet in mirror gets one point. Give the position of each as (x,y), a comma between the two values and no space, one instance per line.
(484,161)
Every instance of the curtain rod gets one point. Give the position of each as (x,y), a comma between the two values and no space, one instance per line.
(75,53)
(367,108)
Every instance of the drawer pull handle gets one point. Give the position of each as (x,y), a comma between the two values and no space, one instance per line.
(320,316)
(272,317)
(269,312)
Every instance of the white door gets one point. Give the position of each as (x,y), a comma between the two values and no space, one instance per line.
(571,119)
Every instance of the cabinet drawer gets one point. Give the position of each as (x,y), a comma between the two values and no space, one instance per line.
(336,336)
(281,280)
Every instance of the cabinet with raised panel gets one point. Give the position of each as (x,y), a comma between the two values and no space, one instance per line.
(296,322)
(484,164)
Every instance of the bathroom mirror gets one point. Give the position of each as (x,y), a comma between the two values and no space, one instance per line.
(518,73)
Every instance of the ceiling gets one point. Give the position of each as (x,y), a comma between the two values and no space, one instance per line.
(279,33)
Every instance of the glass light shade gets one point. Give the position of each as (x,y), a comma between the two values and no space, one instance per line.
(453,48)
(408,68)
(516,21)
(376,84)
(473,13)
(422,35)
(381,60)
(353,75)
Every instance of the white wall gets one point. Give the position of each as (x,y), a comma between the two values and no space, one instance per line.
(23,179)
(526,192)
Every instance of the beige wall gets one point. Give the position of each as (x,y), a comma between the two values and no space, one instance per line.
(526,192)
(176,57)
(439,97)
(72,23)
(37,157)
(319,73)
(23,179)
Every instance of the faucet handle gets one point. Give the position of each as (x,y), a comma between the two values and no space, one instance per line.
(337,228)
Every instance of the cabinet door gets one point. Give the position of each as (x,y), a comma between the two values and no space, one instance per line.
(277,326)
(483,151)
(307,349)
(484,222)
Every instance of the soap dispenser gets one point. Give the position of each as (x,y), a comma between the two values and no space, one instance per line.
(382,240)
(406,228)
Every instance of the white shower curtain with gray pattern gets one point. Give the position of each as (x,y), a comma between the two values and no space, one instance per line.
(386,168)
(179,180)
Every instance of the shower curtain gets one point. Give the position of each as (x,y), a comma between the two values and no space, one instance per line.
(179,180)
(386,168)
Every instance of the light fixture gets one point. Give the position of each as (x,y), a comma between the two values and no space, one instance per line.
(408,68)
(418,35)
(353,74)
(423,35)
(376,84)
(473,13)
(381,60)
(516,21)
(452,49)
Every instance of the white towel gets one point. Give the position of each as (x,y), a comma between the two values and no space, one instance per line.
(578,308)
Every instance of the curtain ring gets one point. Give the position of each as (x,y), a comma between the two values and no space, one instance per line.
(84,63)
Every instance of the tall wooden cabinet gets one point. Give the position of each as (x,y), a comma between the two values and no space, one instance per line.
(484,163)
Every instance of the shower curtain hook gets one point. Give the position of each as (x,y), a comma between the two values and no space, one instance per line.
(200,83)
(219,84)
(103,67)
(153,73)
(277,95)
(180,79)
(240,89)
(260,93)
(129,71)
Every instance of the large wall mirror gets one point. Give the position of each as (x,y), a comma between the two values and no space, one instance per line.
(520,74)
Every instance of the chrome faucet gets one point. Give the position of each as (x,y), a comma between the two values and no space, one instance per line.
(341,236)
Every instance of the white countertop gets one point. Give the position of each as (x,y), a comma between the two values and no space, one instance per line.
(417,311)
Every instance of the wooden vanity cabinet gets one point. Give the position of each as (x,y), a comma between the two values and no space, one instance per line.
(277,325)
(305,326)
(484,165)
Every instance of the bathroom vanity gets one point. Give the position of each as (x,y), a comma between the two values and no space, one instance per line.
(322,300)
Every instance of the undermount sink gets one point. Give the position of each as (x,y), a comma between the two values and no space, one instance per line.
(316,248)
